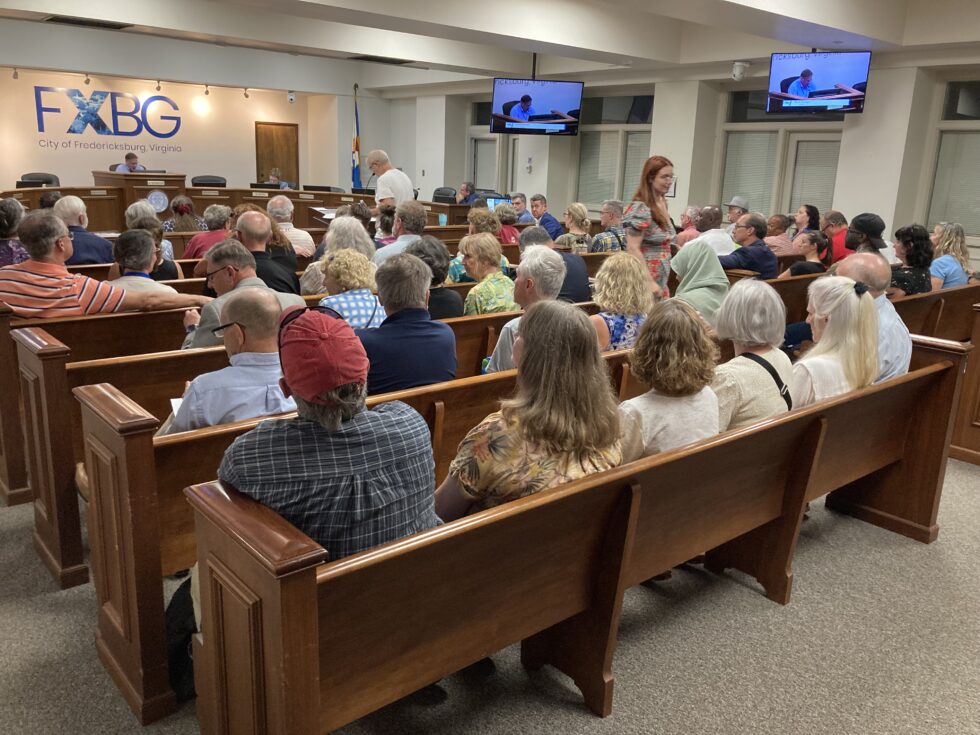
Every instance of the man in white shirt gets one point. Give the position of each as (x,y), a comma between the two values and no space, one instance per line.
(249,388)
(718,239)
(280,209)
(894,342)
(394,186)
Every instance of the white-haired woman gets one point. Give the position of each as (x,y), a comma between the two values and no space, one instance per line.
(539,438)
(345,233)
(755,384)
(142,209)
(842,315)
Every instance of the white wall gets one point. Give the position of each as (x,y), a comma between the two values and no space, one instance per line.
(401,137)
(216,134)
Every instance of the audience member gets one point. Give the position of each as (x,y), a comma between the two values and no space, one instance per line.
(362,213)
(217,217)
(806,219)
(736,208)
(712,233)
(278,247)
(689,227)
(280,209)
(141,209)
(576,286)
(649,230)
(612,236)
(183,218)
(913,248)
(11,214)
(539,438)
(951,259)
(345,233)
(864,233)
(577,222)
(348,477)
(754,254)
(165,270)
(385,226)
(41,286)
(815,248)
(544,218)
(755,387)
(131,165)
(348,278)
(624,298)
(778,238)
(466,195)
(249,387)
(524,216)
(479,220)
(231,266)
(507,217)
(409,349)
(841,314)
(393,186)
(444,303)
(494,291)
(894,342)
(410,218)
(137,255)
(254,230)
(833,224)
(88,248)
(675,356)
(48,198)
(702,282)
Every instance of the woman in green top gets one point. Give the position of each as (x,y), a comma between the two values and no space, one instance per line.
(703,283)
(494,291)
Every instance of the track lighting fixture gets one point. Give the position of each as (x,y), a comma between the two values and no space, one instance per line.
(246,92)
(206,90)
(87,80)
(16,73)
(158,85)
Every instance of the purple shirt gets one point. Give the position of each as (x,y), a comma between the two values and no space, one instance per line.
(11,252)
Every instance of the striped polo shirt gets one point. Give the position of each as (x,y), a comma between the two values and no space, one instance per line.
(36,289)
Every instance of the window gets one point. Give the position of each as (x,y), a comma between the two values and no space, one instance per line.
(962,101)
(750,106)
(481,113)
(617,110)
(814,174)
(637,152)
(956,189)
(598,164)
(750,164)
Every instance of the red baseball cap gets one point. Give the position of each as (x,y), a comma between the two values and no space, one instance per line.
(319,353)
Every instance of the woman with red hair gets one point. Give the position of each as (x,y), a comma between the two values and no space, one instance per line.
(646,221)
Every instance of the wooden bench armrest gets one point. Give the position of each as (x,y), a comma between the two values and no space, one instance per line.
(124,416)
(40,342)
(269,538)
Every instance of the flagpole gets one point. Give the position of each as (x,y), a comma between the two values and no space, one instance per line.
(355,155)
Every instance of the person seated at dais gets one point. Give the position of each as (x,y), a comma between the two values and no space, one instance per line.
(560,425)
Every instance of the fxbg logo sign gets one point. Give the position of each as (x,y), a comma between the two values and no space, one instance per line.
(129,119)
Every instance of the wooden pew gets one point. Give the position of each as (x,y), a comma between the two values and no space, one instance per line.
(140,528)
(594,261)
(793,292)
(740,495)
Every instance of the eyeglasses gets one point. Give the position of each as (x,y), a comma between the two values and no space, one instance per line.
(295,314)
(70,235)
(207,276)
(219,331)
(743,227)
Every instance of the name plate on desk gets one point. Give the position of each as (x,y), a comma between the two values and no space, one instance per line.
(427,208)
(209,193)
(154,182)
(260,194)
(97,192)
(346,199)
(306,196)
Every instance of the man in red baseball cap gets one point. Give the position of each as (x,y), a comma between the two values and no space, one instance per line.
(348,477)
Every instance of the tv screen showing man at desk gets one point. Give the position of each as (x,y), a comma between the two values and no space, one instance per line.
(818,82)
(534,107)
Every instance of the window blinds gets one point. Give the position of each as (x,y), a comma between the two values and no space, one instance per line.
(956,190)
(598,159)
(814,174)
(637,152)
(750,160)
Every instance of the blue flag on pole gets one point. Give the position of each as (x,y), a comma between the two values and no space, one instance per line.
(355,149)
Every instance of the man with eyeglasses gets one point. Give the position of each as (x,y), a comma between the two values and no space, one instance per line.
(754,254)
(833,224)
(230,266)
(249,387)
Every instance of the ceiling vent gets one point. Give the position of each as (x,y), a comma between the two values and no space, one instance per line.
(105,25)
(381,60)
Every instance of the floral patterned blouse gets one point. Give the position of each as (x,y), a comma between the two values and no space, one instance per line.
(656,240)
(11,252)
(494,293)
(495,464)
(623,329)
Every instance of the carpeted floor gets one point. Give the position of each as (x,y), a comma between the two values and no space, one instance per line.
(882,637)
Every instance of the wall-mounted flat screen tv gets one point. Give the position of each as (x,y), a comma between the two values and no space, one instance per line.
(529,106)
(832,81)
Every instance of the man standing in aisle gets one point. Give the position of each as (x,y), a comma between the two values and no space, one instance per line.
(393,186)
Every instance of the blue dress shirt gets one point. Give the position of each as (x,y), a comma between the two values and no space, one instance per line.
(797,88)
(248,389)
(518,112)
(469,198)
(88,248)
(525,218)
(409,350)
(754,257)
(122,168)
(552,225)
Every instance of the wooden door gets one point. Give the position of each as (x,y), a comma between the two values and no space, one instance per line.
(277,146)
